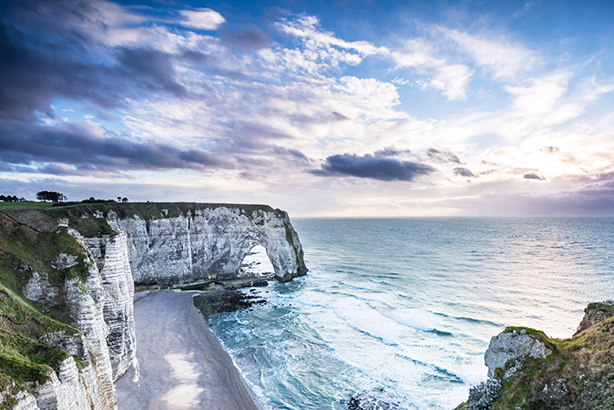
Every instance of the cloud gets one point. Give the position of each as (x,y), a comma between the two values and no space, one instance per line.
(450,78)
(33,74)
(390,152)
(306,27)
(464,172)
(30,77)
(83,146)
(250,39)
(369,166)
(203,19)
(534,176)
(541,95)
(504,59)
(154,68)
(442,156)
(550,149)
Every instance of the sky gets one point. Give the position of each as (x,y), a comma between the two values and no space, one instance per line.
(323,109)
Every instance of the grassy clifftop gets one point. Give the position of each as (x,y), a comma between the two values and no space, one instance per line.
(577,375)
(44,217)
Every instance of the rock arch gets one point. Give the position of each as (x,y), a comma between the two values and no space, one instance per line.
(256,263)
(210,242)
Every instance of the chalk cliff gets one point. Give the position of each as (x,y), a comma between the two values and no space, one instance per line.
(208,243)
(79,264)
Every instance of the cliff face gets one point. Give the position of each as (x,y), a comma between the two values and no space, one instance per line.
(79,265)
(209,243)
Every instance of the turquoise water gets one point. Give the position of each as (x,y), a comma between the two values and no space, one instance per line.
(403,309)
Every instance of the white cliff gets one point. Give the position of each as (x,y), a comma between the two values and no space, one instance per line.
(205,242)
(209,243)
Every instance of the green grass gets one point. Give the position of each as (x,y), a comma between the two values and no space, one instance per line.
(152,210)
(24,250)
(585,363)
(24,360)
(28,204)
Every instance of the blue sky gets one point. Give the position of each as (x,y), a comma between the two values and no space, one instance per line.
(343,108)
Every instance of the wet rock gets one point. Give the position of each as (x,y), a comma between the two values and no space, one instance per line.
(366,401)
(218,301)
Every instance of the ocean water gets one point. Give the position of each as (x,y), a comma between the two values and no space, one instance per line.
(402,310)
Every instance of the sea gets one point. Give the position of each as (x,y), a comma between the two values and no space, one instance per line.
(399,312)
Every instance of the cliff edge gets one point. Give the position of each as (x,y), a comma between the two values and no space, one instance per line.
(527,370)
(67,277)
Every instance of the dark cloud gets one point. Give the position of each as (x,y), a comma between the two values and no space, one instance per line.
(373,167)
(32,75)
(534,175)
(442,156)
(391,152)
(251,38)
(154,69)
(83,147)
(339,117)
(464,172)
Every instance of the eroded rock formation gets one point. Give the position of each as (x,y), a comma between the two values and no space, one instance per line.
(208,243)
(511,349)
(84,273)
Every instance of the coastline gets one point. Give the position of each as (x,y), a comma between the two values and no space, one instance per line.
(182,365)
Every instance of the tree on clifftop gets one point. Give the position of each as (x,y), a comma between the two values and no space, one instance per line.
(50,196)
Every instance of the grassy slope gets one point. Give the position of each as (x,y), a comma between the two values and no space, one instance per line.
(578,375)
(24,361)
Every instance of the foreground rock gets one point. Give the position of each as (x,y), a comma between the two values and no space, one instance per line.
(218,301)
(530,371)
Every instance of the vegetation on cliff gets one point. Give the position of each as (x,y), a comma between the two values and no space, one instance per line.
(25,358)
(577,375)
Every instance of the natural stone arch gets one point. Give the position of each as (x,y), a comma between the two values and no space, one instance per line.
(209,242)
(257,263)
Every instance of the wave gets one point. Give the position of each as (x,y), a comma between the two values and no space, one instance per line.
(443,373)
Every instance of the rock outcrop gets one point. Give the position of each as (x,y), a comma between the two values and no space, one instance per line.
(596,313)
(533,371)
(507,352)
(80,264)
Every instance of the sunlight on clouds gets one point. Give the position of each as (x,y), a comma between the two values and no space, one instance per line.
(452,80)
(203,19)
(542,95)
(261,122)
(307,27)
(503,59)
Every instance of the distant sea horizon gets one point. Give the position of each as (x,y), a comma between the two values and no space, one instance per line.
(401,309)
